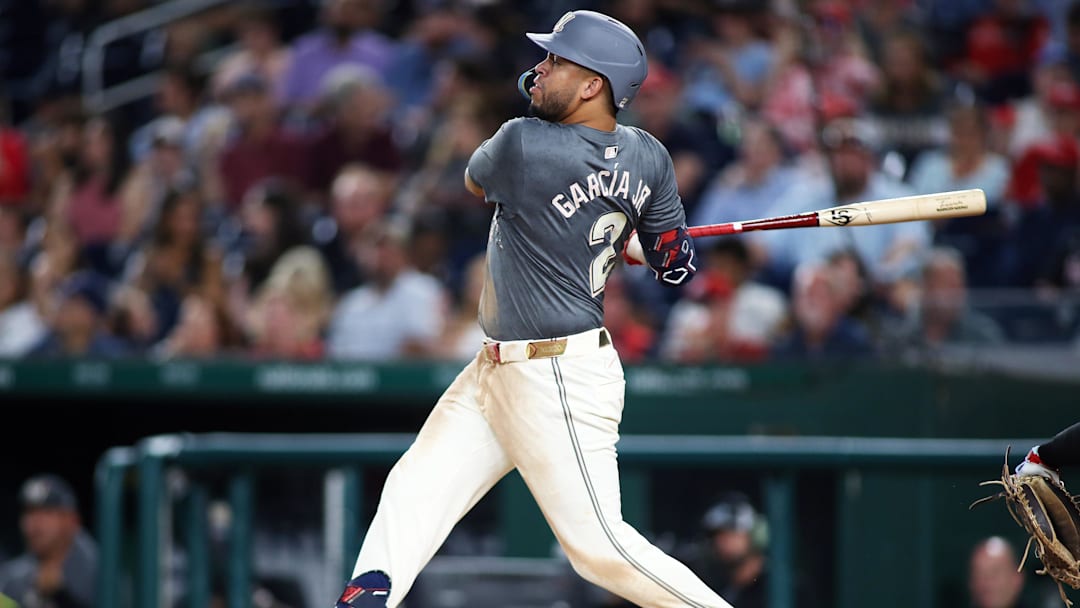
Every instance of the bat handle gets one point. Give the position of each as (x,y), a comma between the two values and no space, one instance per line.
(715,229)
(799,220)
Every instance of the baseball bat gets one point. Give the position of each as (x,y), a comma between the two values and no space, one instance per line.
(939,205)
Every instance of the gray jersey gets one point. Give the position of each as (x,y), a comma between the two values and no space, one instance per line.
(567,197)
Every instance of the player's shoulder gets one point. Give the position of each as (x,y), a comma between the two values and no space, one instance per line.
(632,132)
(523,124)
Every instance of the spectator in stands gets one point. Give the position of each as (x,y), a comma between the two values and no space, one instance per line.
(908,105)
(78,327)
(179,99)
(440,31)
(53,259)
(359,198)
(725,316)
(176,261)
(260,51)
(822,328)
(14,161)
(691,138)
(60,565)
(1043,232)
(966,161)
(727,71)
(993,578)
(462,336)
(357,130)
(464,80)
(55,146)
(290,310)
(436,188)
(260,147)
(943,316)
(132,319)
(873,308)
(398,314)
(732,556)
(840,65)
(98,201)
(199,333)
(13,224)
(1002,46)
(21,327)
(1024,187)
(791,100)
(888,250)
(348,36)
(633,330)
(876,20)
(749,188)
(163,168)
(1030,117)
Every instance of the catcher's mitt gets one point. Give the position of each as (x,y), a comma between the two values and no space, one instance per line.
(1051,516)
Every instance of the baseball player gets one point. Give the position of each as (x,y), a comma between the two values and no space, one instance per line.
(544,394)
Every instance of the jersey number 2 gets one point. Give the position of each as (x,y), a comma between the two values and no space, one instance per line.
(605,231)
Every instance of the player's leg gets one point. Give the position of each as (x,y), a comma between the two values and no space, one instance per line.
(558,419)
(454,461)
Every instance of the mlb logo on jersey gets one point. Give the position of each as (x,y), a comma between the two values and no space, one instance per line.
(611,152)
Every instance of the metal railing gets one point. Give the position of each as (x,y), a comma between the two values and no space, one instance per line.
(240,456)
(97,97)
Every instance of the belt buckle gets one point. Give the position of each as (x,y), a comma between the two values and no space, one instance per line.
(492,353)
(545,349)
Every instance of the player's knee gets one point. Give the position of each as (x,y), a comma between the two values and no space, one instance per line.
(597,567)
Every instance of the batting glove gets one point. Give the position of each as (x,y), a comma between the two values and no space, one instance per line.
(1033,465)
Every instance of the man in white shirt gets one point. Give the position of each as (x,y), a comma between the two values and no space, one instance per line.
(398,314)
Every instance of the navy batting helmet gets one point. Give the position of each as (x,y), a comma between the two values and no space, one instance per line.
(602,44)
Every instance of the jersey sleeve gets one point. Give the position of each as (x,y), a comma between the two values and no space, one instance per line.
(665,211)
(497,163)
(665,242)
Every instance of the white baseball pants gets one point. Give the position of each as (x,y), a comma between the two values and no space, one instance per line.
(556,420)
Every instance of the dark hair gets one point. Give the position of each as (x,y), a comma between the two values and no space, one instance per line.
(119,162)
(171,200)
(190,78)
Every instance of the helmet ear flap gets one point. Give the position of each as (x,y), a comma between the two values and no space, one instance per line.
(525,82)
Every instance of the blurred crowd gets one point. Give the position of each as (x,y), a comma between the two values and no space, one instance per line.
(292,186)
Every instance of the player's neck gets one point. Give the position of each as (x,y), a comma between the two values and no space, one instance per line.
(589,115)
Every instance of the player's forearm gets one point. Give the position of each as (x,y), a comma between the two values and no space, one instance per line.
(670,254)
(1063,449)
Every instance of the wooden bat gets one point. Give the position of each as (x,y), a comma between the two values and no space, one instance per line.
(936,206)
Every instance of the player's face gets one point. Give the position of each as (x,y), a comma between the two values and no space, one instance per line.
(554,88)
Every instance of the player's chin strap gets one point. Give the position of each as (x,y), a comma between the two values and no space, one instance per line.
(525,81)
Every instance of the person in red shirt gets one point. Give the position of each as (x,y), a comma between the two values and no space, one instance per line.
(1001,49)
(260,148)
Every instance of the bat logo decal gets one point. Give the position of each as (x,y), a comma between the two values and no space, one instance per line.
(841,216)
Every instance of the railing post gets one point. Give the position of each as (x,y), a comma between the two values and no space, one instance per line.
(198,550)
(109,479)
(151,488)
(780,509)
(342,500)
(241,500)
